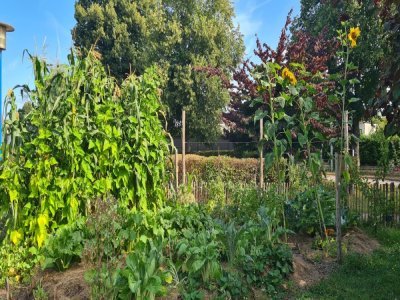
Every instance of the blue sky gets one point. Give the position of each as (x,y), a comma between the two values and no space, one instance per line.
(43,27)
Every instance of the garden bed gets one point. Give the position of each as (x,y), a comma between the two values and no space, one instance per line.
(310,266)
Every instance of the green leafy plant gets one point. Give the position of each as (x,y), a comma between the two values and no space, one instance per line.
(312,211)
(39,293)
(264,261)
(103,251)
(328,245)
(232,285)
(216,190)
(178,218)
(198,255)
(144,276)
(65,246)
(230,236)
(17,263)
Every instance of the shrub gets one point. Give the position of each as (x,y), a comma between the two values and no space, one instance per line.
(370,148)
(210,168)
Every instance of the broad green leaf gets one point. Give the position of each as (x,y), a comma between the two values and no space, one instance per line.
(302,139)
(197,264)
(268,161)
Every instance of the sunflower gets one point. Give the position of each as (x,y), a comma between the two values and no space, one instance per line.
(353,35)
(287,74)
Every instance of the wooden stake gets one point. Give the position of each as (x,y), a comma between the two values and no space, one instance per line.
(261,154)
(183,147)
(338,167)
(346,131)
(176,169)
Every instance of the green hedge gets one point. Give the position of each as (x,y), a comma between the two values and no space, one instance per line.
(371,149)
(230,153)
(224,167)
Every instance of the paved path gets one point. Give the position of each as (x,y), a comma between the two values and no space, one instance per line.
(331,176)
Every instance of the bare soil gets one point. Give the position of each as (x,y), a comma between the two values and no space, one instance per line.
(312,265)
(68,285)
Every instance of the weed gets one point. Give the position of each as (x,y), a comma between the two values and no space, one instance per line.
(102,252)
(39,293)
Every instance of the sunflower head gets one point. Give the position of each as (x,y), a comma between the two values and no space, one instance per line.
(287,74)
(353,35)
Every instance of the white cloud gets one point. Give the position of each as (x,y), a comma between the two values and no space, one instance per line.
(248,25)
(246,19)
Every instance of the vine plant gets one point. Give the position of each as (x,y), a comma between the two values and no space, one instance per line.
(85,137)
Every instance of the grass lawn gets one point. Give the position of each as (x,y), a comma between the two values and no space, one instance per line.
(376,276)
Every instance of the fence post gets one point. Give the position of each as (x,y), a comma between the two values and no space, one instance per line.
(398,203)
(261,154)
(183,147)
(387,202)
(392,202)
(338,163)
(332,159)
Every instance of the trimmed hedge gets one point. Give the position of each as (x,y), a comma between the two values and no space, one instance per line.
(227,168)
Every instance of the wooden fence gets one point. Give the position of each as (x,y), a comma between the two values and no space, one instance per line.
(376,203)
(373,203)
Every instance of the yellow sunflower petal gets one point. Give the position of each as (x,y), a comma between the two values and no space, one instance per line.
(287,74)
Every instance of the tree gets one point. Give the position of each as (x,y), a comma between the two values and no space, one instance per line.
(389,88)
(179,36)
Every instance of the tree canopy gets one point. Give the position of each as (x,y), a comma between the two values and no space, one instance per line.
(389,89)
(313,42)
(179,36)
(317,16)
(376,55)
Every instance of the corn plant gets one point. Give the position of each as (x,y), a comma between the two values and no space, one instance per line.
(83,138)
